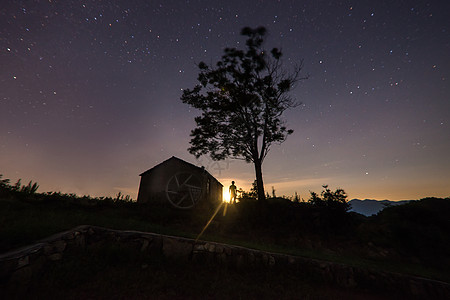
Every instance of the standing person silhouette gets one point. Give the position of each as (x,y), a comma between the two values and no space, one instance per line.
(232,191)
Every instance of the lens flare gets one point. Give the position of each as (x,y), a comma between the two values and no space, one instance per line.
(209,222)
(226,196)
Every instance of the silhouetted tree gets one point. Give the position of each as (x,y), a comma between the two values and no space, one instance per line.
(296,198)
(336,201)
(242,99)
(4,183)
(330,210)
(17,186)
(30,188)
(249,196)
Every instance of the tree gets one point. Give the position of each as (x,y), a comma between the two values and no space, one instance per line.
(242,99)
(334,201)
(249,196)
(30,188)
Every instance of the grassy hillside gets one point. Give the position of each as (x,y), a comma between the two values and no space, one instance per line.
(119,272)
(413,238)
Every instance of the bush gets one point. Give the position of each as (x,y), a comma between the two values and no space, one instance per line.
(330,210)
(335,201)
(418,230)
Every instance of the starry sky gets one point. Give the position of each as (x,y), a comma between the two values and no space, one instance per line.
(90,92)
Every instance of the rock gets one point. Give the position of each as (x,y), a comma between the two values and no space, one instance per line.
(210,247)
(23,261)
(219,248)
(228,250)
(145,244)
(175,248)
(55,247)
(251,258)
(80,240)
(271,260)
(199,248)
(55,256)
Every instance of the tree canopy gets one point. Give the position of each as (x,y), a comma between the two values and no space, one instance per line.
(242,98)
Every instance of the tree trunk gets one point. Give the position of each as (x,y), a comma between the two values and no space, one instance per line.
(259,181)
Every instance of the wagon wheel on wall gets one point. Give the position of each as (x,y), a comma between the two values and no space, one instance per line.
(183,190)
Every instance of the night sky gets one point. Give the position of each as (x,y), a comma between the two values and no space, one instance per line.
(90,93)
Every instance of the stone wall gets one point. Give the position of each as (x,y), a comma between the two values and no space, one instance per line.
(18,267)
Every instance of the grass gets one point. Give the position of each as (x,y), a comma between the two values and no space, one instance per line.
(26,220)
(115,272)
(349,258)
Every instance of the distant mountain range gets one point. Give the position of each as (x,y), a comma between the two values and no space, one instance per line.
(370,207)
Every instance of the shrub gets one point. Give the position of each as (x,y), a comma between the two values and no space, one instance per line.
(335,201)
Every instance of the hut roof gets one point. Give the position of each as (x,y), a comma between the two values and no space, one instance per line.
(176,159)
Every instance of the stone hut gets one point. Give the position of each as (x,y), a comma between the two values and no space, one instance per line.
(180,184)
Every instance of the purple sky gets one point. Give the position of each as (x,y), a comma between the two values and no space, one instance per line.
(90,92)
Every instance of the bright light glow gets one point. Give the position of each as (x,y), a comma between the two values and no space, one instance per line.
(226,196)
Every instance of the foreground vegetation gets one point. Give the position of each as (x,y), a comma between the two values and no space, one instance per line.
(413,238)
(119,272)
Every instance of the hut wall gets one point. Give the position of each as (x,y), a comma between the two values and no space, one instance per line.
(153,182)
